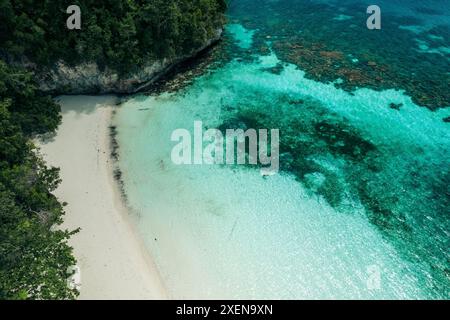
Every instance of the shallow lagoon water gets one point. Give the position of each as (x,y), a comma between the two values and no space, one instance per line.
(221,232)
(227,232)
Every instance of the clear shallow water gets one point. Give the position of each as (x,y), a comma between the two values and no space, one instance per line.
(227,232)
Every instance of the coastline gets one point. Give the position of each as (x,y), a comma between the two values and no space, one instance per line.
(238,235)
(113,261)
(88,78)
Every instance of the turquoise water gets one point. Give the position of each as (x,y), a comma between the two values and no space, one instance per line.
(358,211)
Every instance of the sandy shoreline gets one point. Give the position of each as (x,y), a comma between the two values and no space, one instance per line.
(113,262)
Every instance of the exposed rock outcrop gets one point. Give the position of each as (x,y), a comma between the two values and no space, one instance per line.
(87,78)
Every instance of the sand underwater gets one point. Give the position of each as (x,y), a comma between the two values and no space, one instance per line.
(360,208)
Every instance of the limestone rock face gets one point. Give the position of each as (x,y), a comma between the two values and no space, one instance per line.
(87,78)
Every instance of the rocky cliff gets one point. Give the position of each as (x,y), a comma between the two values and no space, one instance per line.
(87,78)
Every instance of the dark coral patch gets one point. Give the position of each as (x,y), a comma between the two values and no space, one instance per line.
(395,106)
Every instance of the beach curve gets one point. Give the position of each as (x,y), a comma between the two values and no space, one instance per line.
(113,262)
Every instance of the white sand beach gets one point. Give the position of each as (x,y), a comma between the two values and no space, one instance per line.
(113,262)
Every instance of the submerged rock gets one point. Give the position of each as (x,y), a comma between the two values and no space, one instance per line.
(395,106)
(314,180)
(343,141)
(278,69)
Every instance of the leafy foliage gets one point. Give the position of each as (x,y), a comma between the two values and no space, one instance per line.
(34,258)
(121,34)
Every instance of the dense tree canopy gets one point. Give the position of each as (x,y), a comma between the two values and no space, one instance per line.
(34,258)
(118,33)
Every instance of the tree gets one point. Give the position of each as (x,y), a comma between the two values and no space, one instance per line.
(34,258)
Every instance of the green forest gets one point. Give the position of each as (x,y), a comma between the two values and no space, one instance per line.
(119,34)
(122,34)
